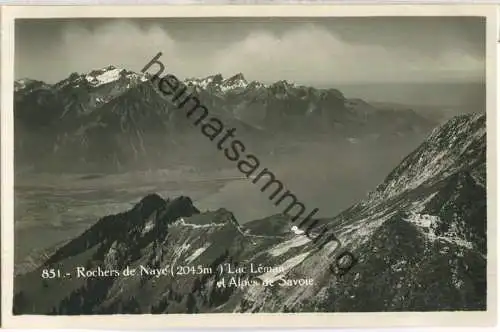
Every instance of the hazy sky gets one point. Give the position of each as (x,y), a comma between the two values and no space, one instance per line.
(317,51)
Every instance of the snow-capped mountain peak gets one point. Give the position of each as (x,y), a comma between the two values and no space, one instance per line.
(21,84)
(216,81)
(234,82)
(204,83)
(26,83)
(103,76)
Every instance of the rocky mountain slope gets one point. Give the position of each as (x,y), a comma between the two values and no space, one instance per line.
(419,237)
(112,119)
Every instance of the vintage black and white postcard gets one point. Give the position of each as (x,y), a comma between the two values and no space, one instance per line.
(248,166)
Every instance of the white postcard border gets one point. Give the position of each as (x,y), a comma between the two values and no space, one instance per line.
(289,320)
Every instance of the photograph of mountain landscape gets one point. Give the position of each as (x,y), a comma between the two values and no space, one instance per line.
(124,204)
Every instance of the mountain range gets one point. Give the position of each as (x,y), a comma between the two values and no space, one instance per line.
(419,237)
(112,119)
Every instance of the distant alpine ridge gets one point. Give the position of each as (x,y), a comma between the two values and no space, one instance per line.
(420,238)
(113,119)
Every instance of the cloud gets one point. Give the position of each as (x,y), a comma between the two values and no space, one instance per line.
(311,54)
(306,54)
(120,43)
